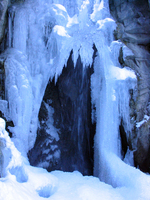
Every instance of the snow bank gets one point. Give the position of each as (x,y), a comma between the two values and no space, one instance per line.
(21,181)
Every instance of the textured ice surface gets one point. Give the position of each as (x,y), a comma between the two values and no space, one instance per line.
(42,37)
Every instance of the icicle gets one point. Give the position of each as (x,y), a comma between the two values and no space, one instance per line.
(11,14)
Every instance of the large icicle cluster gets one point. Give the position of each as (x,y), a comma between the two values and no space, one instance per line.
(41,36)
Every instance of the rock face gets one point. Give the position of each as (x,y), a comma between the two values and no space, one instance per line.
(2,80)
(3,10)
(65,123)
(133,29)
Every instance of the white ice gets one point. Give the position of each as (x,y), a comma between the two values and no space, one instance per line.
(40,42)
(146,118)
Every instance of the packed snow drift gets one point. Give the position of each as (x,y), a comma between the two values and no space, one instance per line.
(21,181)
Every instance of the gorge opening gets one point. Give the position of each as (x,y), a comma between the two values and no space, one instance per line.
(66,133)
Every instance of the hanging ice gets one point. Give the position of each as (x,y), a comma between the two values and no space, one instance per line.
(110,92)
(42,37)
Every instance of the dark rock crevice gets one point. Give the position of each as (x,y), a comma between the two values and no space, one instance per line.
(70,100)
(123,137)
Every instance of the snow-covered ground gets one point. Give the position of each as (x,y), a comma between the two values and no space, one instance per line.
(23,182)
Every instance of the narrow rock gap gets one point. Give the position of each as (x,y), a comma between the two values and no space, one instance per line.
(123,137)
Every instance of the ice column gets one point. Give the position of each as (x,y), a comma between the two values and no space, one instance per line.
(110,93)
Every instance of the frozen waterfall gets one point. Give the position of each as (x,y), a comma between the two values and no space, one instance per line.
(41,36)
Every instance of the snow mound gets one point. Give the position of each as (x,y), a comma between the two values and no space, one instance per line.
(21,181)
